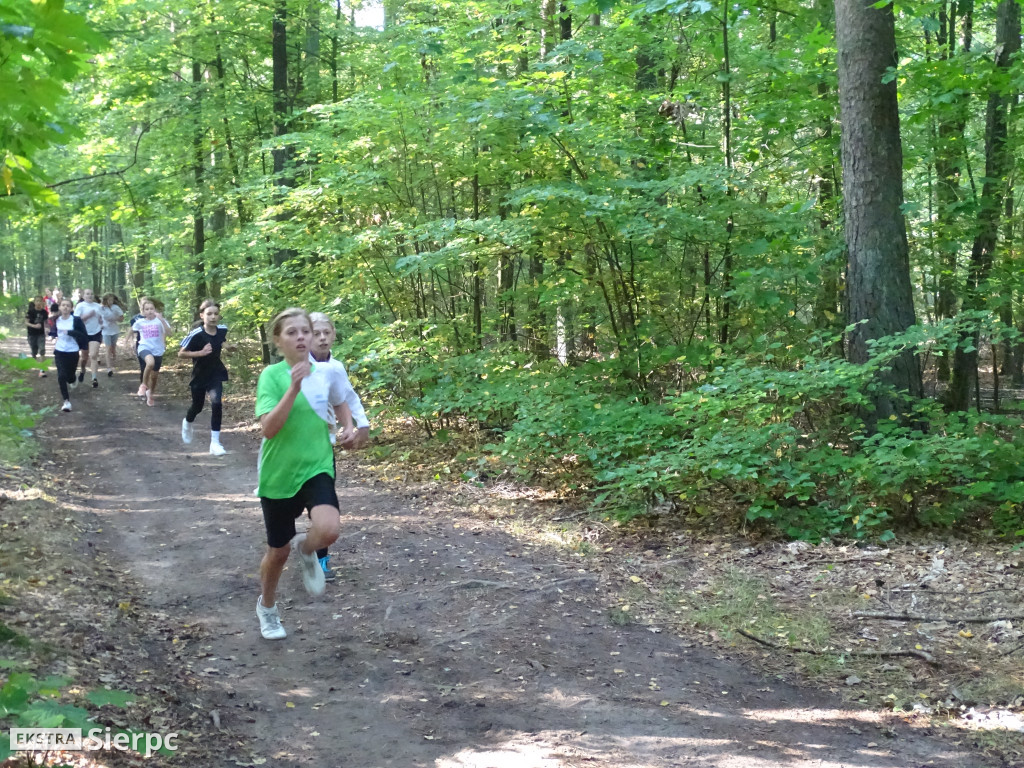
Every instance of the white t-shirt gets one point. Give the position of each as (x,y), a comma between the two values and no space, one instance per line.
(65,341)
(152,335)
(335,370)
(111,319)
(95,321)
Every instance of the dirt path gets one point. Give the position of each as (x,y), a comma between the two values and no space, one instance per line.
(444,643)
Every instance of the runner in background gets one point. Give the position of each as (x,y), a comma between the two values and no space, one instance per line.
(324,336)
(203,346)
(71,337)
(296,469)
(36,327)
(112,313)
(90,312)
(132,340)
(152,330)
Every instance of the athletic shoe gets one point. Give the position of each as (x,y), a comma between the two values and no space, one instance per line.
(312,576)
(66,407)
(143,389)
(270,622)
(110,372)
(42,374)
(326,568)
(81,376)
(149,399)
(95,383)
(72,384)
(186,432)
(216,449)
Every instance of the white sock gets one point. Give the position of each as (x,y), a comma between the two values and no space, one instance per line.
(214,436)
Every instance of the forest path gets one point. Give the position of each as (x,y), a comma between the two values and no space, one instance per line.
(444,643)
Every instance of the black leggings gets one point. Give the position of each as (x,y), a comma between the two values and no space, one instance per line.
(67,363)
(216,392)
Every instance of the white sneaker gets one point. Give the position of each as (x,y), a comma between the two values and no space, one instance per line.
(66,406)
(270,622)
(312,573)
(216,449)
(186,432)
(72,384)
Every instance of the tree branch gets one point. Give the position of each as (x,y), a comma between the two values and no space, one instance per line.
(135,159)
(923,655)
(957,620)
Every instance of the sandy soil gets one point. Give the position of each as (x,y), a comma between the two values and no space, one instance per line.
(444,642)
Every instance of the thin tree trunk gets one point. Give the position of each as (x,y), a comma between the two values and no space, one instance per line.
(282,154)
(998,162)
(198,168)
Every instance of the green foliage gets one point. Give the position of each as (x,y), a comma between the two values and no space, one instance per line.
(17,418)
(42,47)
(28,702)
(787,444)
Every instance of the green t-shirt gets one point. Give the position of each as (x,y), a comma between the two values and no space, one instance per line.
(302,449)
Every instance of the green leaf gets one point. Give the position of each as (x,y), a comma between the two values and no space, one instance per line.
(104,696)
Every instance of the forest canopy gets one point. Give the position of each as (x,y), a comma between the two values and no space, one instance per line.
(681,257)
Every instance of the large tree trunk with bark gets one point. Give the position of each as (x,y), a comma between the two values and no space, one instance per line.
(880,299)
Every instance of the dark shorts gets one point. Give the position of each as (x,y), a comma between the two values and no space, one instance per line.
(157,359)
(97,337)
(279,515)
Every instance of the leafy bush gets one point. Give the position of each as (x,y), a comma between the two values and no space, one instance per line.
(17,418)
(791,447)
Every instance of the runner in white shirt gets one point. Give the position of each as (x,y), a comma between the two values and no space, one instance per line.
(91,314)
(152,330)
(324,336)
(112,312)
(69,332)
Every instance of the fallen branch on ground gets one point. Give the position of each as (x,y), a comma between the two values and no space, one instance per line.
(923,655)
(912,617)
(1012,650)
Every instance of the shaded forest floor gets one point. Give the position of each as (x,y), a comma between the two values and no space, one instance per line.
(468,629)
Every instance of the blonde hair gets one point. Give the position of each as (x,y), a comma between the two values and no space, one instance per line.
(320,317)
(286,314)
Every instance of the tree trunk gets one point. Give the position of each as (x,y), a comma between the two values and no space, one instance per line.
(998,163)
(880,298)
(282,154)
(198,168)
(949,131)
(311,84)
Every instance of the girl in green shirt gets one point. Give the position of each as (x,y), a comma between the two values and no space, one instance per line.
(296,470)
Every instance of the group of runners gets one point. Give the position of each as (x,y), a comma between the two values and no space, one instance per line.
(305,404)
(80,326)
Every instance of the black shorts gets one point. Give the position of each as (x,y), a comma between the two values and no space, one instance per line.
(279,515)
(157,359)
(97,337)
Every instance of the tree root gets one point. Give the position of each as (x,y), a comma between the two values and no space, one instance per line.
(911,617)
(923,655)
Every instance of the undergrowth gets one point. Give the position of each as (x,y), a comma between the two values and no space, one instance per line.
(792,442)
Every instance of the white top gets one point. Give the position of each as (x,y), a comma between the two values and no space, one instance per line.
(65,341)
(335,369)
(112,316)
(152,335)
(91,314)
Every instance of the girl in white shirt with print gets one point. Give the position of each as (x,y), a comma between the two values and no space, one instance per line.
(152,330)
